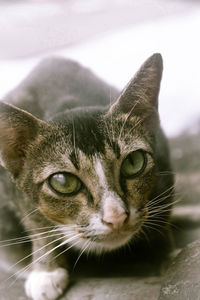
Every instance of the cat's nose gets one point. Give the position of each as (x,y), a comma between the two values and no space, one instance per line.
(114,212)
(115,219)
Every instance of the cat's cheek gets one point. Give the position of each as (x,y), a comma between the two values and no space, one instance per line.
(42,285)
(57,209)
(139,191)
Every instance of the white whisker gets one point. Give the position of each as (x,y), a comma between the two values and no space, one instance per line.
(156,223)
(85,246)
(135,126)
(27,238)
(152,228)
(65,250)
(31,254)
(161,220)
(29,214)
(158,196)
(53,227)
(30,240)
(21,272)
(27,267)
(112,129)
(40,228)
(163,206)
(108,134)
(163,173)
(124,123)
(74,138)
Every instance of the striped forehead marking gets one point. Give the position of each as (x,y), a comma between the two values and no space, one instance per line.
(100,173)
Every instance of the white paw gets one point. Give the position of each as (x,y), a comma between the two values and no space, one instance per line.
(43,285)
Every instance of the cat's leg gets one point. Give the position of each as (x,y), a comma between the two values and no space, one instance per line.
(49,275)
(46,275)
(42,285)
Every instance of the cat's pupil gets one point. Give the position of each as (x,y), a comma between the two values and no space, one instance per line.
(133,164)
(65,183)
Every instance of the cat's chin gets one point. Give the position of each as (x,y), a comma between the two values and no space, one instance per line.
(105,243)
(110,244)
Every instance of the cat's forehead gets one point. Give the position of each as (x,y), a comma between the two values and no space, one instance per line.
(70,157)
(81,139)
(84,131)
(92,131)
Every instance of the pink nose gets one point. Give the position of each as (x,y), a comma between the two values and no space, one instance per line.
(115,218)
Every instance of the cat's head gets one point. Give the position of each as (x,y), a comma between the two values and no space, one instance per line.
(89,170)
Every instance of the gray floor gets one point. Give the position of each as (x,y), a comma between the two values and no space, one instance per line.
(99,283)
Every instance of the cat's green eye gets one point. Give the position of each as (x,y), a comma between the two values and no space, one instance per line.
(133,164)
(65,183)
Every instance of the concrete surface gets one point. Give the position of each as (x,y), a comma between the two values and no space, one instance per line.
(111,278)
(91,288)
(182,281)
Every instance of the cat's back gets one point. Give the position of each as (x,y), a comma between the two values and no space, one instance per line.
(57,84)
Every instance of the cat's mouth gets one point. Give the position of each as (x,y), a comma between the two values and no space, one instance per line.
(111,237)
(109,241)
(114,238)
(101,238)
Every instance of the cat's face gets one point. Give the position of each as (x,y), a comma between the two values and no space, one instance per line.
(102,190)
(90,171)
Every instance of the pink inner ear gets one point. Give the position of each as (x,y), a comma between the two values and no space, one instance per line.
(12,145)
(17,130)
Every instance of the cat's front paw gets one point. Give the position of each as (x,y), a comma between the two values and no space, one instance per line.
(43,285)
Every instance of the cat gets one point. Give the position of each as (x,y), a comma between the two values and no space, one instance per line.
(86,166)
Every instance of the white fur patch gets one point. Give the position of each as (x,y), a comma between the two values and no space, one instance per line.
(113,208)
(43,285)
(100,173)
(97,226)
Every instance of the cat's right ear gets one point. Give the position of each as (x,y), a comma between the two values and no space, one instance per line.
(18,130)
(140,96)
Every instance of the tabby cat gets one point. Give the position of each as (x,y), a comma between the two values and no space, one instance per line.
(86,166)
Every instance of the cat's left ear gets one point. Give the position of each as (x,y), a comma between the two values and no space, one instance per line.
(18,130)
(140,96)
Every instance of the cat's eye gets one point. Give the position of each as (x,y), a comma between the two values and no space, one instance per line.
(133,164)
(65,183)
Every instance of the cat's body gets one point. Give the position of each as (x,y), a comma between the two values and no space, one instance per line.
(95,173)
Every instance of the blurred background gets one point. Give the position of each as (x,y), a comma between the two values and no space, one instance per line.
(113,38)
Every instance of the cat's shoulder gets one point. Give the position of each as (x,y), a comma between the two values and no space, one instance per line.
(58,66)
(56,84)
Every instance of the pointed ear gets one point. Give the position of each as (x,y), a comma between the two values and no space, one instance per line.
(18,129)
(140,96)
